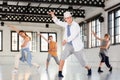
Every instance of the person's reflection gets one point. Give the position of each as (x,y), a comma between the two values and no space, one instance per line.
(27,76)
(108,76)
(105,77)
(48,76)
(56,77)
(21,76)
(89,77)
(60,78)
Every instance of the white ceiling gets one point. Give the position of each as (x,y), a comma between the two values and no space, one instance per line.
(87,9)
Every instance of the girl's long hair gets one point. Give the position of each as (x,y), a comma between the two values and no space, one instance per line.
(24,33)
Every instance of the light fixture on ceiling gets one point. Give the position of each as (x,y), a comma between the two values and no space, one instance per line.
(2,23)
(47,25)
(101,19)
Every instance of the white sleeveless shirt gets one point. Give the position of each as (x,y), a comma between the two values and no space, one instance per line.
(27,45)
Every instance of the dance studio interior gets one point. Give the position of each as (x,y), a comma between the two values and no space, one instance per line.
(35,19)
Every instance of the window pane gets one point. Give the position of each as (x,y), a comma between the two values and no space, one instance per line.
(98,41)
(1,40)
(44,44)
(117,13)
(96,27)
(117,38)
(20,42)
(112,39)
(111,31)
(83,33)
(114,26)
(14,41)
(117,26)
(117,21)
(117,30)
(30,35)
(93,43)
(34,41)
(111,16)
(111,24)
(93,23)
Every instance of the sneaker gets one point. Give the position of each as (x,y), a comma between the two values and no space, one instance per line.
(110,69)
(99,70)
(60,74)
(89,72)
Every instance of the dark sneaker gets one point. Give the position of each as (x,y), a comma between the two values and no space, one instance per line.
(110,69)
(60,75)
(100,71)
(89,72)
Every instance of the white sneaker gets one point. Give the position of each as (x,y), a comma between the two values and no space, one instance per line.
(15,71)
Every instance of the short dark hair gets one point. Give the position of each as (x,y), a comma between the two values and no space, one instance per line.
(107,35)
(50,36)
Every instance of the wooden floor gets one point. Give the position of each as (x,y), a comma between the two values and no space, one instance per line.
(70,72)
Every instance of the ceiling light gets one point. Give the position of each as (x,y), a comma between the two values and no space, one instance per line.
(2,23)
(47,25)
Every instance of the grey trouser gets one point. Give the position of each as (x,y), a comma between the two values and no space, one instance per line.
(69,50)
(55,58)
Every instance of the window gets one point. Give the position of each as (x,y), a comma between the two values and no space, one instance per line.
(43,43)
(83,31)
(111,26)
(16,41)
(1,40)
(96,27)
(114,25)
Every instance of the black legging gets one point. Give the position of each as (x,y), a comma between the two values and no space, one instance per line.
(105,59)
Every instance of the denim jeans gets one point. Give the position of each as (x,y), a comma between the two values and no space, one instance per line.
(27,58)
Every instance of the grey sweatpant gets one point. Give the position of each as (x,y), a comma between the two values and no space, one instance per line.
(55,58)
(69,50)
